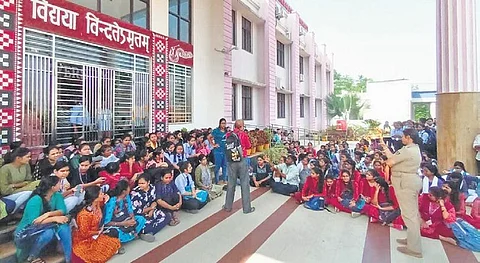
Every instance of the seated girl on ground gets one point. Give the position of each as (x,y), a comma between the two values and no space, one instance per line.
(191,199)
(204,178)
(262,172)
(348,198)
(168,197)
(436,214)
(313,186)
(90,243)
(72,196)
(144,204)
(16,182)
(44,214)
(384,207)
(120,218)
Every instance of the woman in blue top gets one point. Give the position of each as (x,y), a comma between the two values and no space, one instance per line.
(120,219)
(45,206)
(186,186)
(219,151)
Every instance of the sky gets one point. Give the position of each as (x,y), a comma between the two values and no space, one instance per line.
(380,39)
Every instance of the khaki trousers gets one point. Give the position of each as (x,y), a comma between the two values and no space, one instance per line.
(407,187)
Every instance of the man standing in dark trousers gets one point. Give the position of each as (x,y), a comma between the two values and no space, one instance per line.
(236,146)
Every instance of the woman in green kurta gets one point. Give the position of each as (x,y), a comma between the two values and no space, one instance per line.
(46,206)
(16,181)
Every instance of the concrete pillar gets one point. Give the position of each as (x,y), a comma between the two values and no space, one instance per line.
(159,16)
(227,63)
(270,60)
(458,95)
(433,109)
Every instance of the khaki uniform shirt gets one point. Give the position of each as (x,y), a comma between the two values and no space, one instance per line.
(406,160)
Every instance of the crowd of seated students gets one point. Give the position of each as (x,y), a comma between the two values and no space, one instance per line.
(359,183)
(118,193)
(132,190)
(92,202)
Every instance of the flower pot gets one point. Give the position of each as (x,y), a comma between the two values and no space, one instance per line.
(254,150)
(249,152)
(260,148)
(266,146)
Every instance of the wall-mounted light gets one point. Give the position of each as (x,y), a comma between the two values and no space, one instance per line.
(226,50)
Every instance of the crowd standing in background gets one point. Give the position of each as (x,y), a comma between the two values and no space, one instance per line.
(91,200)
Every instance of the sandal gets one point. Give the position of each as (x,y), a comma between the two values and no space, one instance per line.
(36,260)
(173,222)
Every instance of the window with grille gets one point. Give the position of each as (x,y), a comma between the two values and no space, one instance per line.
(280,54)
(281,105)
(180,94)
(179,20)
(247,103)
(246,35)
(73,89)
(234,27)
(302,107)
(234,101)
(300,60)
(136,12)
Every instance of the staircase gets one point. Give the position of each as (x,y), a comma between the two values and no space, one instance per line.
(7,247)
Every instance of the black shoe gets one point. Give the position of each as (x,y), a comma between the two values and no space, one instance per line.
(251,211)
(226,210)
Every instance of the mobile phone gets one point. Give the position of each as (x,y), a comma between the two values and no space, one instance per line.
(78,189)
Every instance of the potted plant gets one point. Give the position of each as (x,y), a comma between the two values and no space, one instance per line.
(374,130)
(252,135)
(269,136)
(261,140)
(275,152)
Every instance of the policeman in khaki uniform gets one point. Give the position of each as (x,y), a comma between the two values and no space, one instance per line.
(404,165)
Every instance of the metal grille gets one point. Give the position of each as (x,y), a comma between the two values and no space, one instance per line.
(123,103)
(70,102)
(180,94)
(73,89)
(37,121)
(141,112)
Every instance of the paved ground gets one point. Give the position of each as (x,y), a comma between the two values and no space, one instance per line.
(281,231)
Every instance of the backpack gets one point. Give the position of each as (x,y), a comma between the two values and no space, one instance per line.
(432,137)
(233,148)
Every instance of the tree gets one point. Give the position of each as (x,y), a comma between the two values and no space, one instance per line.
(346,106)
(421,110)
(335,106)
(345,83)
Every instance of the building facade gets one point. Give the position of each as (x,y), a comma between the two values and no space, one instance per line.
(95,67)
(275,72)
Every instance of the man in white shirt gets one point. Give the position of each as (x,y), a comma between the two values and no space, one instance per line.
(476,146)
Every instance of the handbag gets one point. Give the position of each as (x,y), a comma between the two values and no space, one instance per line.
(123,216)
(316,203)
(29,233)
(360,203)
(387,217)
(202,196)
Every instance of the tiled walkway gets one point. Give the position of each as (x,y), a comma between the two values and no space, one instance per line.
(281,231)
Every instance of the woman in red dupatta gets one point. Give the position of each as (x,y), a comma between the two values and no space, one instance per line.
(436,214)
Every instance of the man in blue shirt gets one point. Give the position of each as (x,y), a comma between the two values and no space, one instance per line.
(219,135)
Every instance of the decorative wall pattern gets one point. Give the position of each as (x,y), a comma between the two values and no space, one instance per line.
(8,86)
(13,15)
(160,80)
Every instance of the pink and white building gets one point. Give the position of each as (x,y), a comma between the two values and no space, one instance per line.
(274,71)
(111,66)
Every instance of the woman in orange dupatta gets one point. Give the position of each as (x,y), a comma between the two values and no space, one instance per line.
(90,244)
